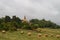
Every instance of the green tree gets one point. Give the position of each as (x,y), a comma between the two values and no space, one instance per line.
(35,21)
(17,22)
(7,19)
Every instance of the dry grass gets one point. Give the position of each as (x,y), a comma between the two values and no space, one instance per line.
(16,35)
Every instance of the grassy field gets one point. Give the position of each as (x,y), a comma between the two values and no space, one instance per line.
(16,35)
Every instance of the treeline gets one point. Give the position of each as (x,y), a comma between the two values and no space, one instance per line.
(11,24)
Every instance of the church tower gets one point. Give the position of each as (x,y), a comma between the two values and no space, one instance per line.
(24,20)
(24,17)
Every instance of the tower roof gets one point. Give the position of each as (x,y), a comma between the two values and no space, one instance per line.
(24,20)
(24,17)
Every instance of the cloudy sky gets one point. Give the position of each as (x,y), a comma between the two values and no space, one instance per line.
(48,9)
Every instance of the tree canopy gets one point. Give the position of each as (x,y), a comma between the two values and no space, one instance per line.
(14,23)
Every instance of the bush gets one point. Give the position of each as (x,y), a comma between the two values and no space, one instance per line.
(8,26)
(27,27)
(34,26)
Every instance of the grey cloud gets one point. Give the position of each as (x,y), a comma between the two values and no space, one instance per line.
(48,9)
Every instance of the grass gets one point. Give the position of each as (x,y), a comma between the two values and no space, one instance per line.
(16,35)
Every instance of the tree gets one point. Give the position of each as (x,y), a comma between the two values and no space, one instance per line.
(9,26)
(16,21)
(34,26)
(7,19)
(35,21)
(26,25)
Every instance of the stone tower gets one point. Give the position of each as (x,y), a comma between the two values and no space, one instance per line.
(24,17)
(24,20)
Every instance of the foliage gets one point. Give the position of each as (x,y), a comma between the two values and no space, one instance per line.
(44,24)
(26,26)
(8,23)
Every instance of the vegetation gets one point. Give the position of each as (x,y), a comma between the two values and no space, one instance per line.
(31,35)
(35,29)
(12,24)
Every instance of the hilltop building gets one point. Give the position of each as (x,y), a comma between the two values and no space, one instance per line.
(24,19)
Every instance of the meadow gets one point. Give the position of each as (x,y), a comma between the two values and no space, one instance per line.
(16,35)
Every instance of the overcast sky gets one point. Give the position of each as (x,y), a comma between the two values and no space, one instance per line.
(47,9)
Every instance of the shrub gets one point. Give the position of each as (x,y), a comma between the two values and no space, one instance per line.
(34,26)
(26,27)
